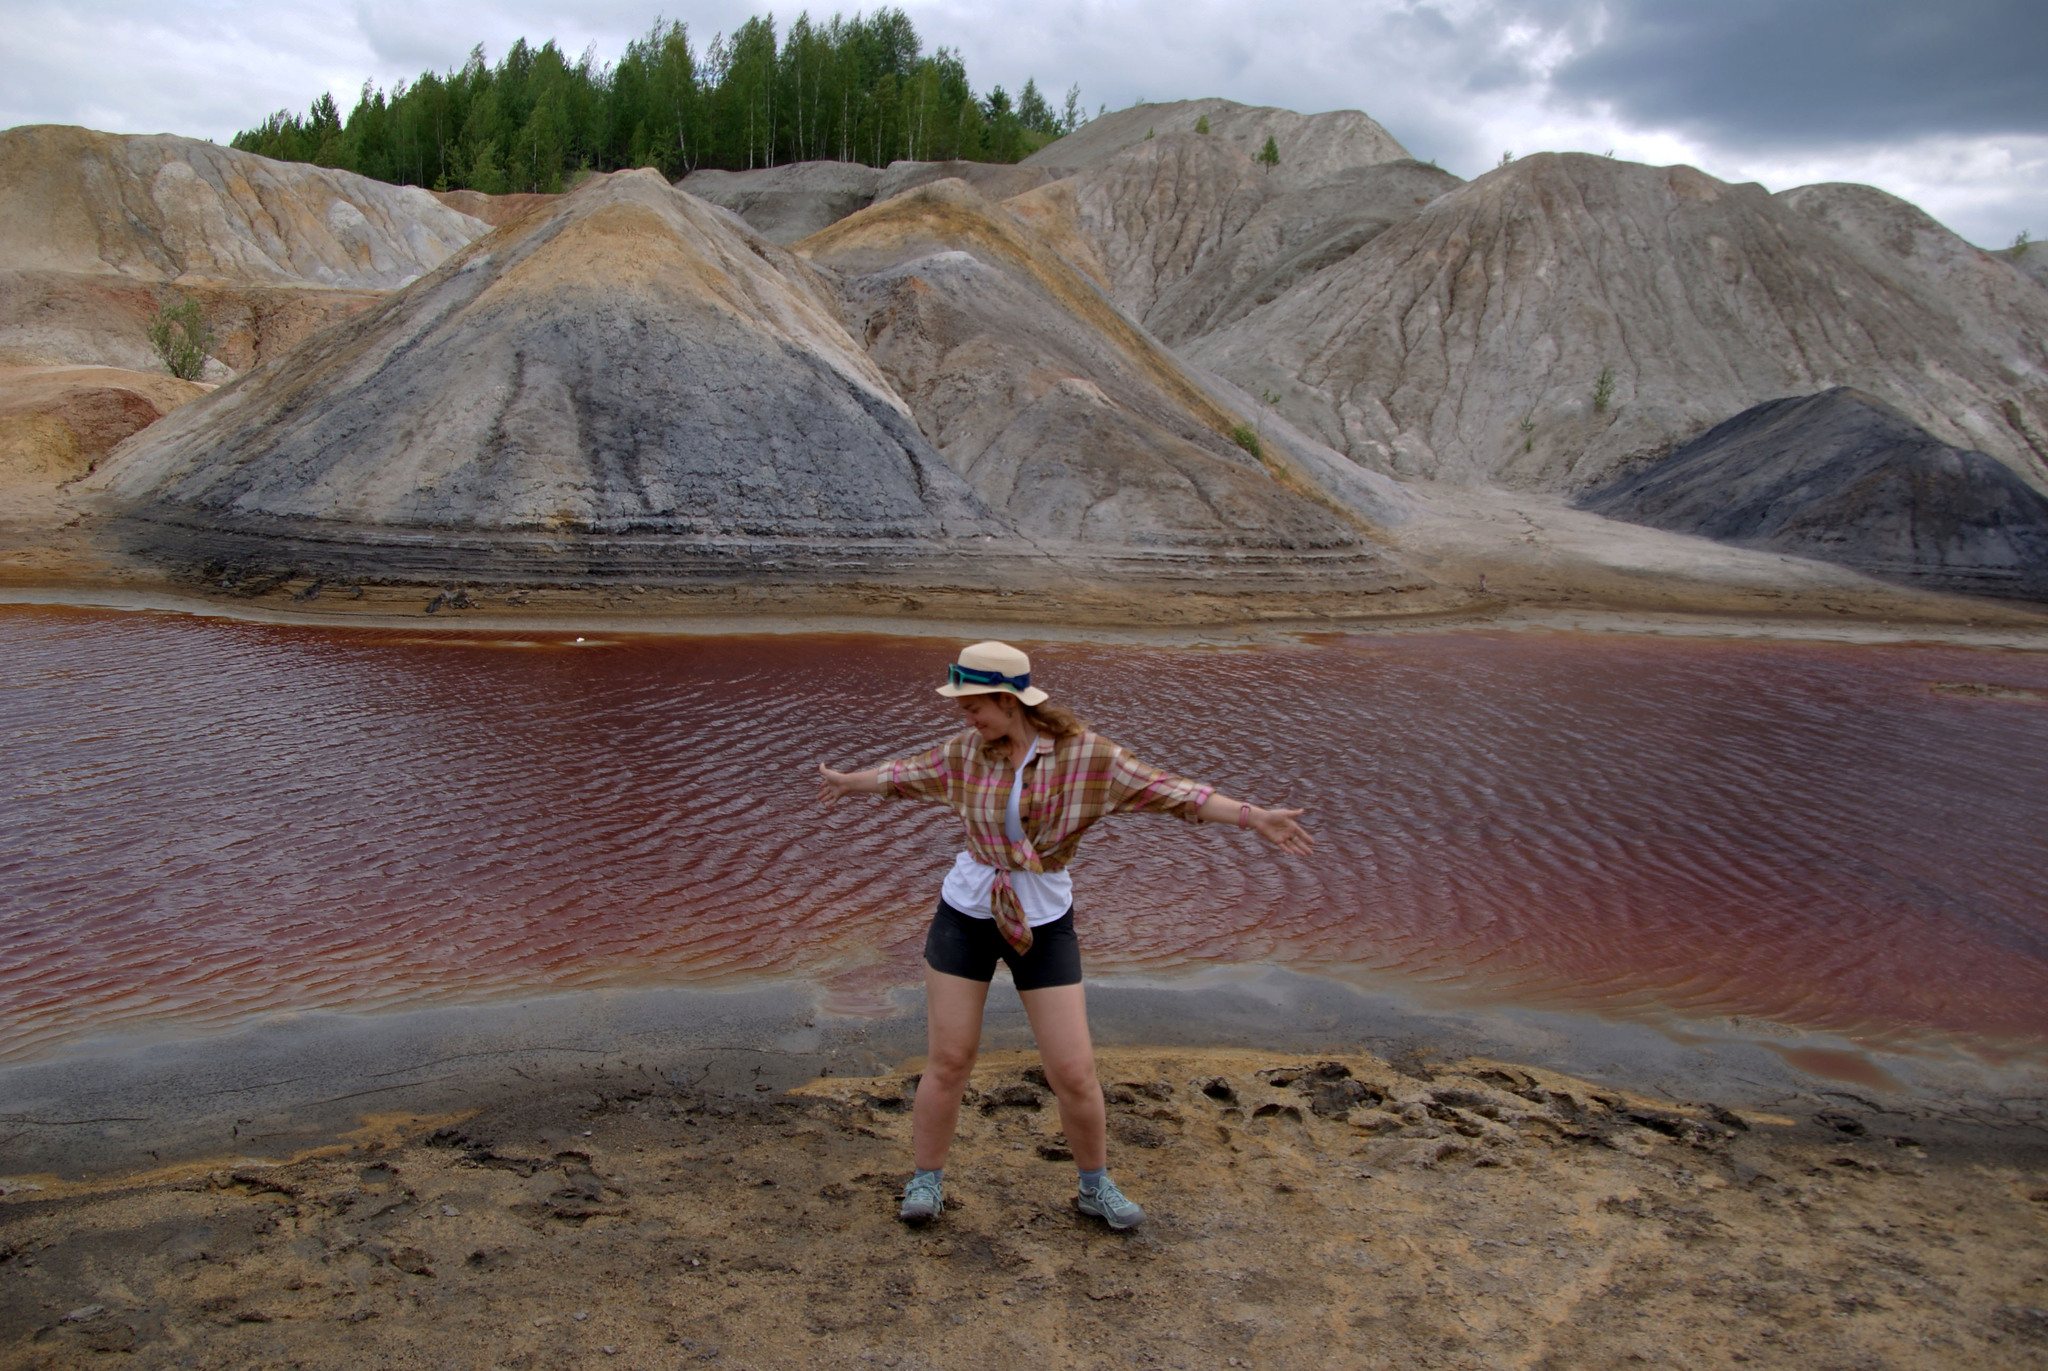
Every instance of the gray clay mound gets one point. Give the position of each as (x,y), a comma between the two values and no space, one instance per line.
(1845,478)
(1059,431)
(789,202)
(1312,147)
(2001,307)
(98,229)
(995,180)
(1469,343)
(161,208)
(2031,258)
(1294,235)
(1188,234)
(630,383)
(1065,416)
(1151,214)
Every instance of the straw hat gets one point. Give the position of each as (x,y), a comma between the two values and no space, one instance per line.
(991,669)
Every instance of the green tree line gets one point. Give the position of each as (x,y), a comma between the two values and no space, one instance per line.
(855,90)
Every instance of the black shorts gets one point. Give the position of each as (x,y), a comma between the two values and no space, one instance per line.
(959,945)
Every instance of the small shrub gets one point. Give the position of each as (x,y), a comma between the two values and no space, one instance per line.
(1603,390)
(1244,436)
(1202,124)
(1506,158)
(181,337)
(1528,427)
(2020,240)
(1269,155)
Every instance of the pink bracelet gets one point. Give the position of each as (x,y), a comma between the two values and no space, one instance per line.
(1244,816)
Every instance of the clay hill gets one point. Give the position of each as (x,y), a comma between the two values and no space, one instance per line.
(56,422)
(96,230)
(1312,147)
(1187,234)
(1470,342)
(1846,478)
(630,384)
(791,202)
(627,378)
(1064,414)
(1142,357)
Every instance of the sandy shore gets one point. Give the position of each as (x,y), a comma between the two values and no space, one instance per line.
(666,1177)
(1998,628)
(1305,1212)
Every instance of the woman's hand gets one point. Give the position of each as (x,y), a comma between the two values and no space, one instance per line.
(1278,827)
(832,784)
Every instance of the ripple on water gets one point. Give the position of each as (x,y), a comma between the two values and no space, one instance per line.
(202,820)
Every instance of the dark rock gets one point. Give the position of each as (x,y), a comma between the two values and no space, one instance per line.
(1138,1132)
(1841,1123)
(1217,1088)
(1011,1097)
(1844,477)
(1458,1097)
(1339,1097)
(1054,1152)
(1660,1121)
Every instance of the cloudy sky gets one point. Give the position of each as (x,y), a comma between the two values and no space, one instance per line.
(1942,101)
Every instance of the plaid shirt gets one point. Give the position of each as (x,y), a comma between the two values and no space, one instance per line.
(1069,783)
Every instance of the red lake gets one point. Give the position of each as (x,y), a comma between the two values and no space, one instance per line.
(203,820)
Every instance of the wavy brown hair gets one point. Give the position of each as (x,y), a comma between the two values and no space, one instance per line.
(1051,720)
(1054,721)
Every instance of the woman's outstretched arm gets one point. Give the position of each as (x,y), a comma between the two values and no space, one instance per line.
(925,775)
(832,784)
(1276,826)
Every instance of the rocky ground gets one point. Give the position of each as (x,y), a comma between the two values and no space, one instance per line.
(1304,1213)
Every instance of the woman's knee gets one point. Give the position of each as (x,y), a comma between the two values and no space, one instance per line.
(949,1067)
(1072,1076)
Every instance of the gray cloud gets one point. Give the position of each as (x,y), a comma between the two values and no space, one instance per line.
(1767,73)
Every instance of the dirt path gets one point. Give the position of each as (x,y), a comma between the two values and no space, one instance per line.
(1303,1215)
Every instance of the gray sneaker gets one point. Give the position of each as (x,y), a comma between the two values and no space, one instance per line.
(1111,1205)
(923,1199)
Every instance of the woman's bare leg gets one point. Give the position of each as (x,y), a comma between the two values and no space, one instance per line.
(1059,1020)
(952,1010)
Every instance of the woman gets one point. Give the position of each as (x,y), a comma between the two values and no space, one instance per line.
(1027,779)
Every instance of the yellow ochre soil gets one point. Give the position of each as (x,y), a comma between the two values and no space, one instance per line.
(1303,1214)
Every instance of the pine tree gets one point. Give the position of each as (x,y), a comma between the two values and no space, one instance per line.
(859,89)
(1269,155)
